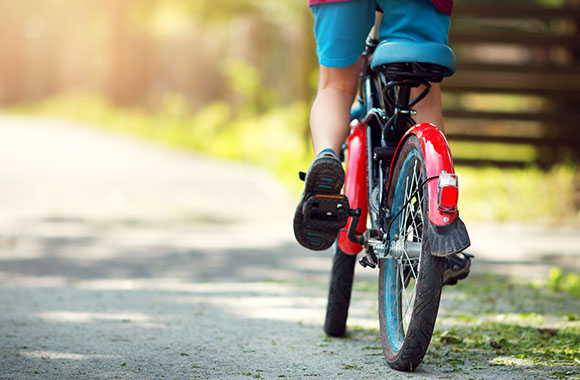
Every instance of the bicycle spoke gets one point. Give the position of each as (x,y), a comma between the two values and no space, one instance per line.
(405,304)
(410,229)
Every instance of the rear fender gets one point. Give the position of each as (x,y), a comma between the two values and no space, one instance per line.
(445,231)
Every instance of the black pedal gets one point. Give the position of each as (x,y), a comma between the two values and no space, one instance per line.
(326,211)
(368,260)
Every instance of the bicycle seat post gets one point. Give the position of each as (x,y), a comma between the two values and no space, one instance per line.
(373,38)
(402,109)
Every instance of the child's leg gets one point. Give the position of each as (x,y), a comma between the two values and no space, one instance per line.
(340,30)
(429,108)
(330,113)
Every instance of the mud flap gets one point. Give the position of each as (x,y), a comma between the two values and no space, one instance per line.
(447,240)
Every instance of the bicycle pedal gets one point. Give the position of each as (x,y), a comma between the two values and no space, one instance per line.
(326,211)
(368,261)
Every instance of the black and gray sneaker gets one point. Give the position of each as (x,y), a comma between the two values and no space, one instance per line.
(321,210)
(456,268)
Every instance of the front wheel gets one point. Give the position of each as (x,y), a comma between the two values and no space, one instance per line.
(410,278)
(341,278)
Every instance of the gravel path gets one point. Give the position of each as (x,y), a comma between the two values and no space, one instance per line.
(120,259)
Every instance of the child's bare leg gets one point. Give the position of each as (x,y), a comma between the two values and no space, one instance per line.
(330,113)
(429,109)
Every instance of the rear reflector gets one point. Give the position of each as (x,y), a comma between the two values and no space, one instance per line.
(447,192)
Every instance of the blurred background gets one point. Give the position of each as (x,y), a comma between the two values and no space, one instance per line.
(149,152)
(235,80)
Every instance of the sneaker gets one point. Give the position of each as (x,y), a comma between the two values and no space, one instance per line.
(456,268)
(323,182)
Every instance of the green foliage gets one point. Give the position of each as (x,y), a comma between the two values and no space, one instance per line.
(244,79)
(222,11)
(570,282)
(273,140)
(514,194)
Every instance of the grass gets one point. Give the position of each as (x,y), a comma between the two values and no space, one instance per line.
(500,324)
(491,320)
(569,283)
(276,141)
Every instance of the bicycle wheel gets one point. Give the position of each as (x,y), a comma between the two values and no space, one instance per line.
(410,278)
(341,278)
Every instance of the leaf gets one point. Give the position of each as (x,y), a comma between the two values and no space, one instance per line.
(551,332)
(449,338)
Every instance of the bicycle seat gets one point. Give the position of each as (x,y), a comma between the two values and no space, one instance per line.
(403,51)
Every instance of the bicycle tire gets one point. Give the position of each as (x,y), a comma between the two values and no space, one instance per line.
(341,279)
(409,287)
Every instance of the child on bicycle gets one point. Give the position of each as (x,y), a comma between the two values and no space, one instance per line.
(340,28)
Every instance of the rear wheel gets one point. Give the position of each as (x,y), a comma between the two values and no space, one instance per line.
(410,279)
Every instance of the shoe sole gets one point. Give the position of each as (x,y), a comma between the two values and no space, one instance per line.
(455,276)
(325,176)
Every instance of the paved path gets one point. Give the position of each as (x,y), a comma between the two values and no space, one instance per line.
(120,259)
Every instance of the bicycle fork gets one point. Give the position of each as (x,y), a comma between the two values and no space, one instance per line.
(356,190)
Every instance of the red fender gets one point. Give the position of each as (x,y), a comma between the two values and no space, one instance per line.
(356,185)
(437,159)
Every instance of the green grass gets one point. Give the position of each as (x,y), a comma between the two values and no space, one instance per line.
(490,320)
(506,323)
(569,283)
(519,194)
(276,140)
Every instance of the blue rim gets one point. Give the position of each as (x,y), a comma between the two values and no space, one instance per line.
(391,284)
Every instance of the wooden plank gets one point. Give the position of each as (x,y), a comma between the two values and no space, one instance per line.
(513,37)
(536,141)
(559,80)
(458,87)
(549,93)
(531,68)
(571,116)
(517,12)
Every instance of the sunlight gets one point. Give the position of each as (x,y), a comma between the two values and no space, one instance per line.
(63,355)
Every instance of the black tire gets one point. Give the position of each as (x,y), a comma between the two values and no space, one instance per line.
(341,278)
(410,286)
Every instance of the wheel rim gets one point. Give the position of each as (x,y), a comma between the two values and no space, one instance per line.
(402,272)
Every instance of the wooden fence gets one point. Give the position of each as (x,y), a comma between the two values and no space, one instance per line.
(517,83)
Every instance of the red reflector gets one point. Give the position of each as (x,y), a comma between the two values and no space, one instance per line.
(448,192)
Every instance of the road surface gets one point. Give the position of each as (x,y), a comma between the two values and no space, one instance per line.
(121,259)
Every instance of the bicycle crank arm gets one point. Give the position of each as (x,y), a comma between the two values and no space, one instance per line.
(352,235)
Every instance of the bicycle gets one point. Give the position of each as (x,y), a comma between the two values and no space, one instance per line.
(401,175)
